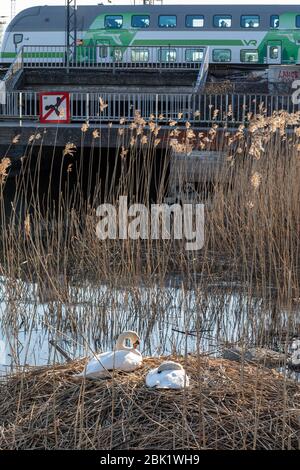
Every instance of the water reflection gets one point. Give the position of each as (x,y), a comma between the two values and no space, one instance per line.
(169,319)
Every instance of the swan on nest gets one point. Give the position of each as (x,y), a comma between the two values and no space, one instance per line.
(168,375)
(295,345)
(123,358)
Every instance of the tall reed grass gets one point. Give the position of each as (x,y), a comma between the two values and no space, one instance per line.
(242,287)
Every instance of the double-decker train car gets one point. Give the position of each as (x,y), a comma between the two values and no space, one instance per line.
(248,35)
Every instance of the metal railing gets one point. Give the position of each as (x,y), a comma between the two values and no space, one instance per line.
(104,56)
(197,108)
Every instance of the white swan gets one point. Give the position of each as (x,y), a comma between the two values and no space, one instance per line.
(123,358)
(294,362)
(168,375)
(295,345)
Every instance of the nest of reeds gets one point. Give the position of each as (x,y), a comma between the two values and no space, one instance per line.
(228,406)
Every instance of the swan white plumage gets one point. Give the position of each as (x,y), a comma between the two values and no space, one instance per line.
(295,360)
(295,345)
(168,375)
(122,358)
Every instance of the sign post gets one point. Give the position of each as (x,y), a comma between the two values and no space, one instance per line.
(55,108)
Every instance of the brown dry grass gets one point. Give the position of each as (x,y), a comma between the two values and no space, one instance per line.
(228,406)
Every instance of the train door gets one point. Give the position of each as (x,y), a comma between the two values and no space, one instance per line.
(103,52)
(274,52)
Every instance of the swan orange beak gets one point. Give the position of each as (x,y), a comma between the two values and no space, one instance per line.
(136,344)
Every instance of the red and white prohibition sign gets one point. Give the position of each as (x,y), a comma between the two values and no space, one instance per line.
(55,107)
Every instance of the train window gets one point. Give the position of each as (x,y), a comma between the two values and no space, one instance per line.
(194,55)
(167,21)
(194,21)
(222,21)
(103,51)
(249,55)
(274,52)
(140,21)
(274,21)
(113,22)
(166,54)
(221,55)
(18,38)
(139,55)
(297,21)
(250,21)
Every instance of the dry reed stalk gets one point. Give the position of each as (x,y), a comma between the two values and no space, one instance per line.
(252,252)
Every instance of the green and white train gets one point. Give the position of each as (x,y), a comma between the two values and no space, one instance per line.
(248,35)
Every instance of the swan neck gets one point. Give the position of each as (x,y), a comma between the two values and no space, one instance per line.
(120,346)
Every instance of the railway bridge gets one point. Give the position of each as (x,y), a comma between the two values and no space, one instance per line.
(161,90)
(107,96)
